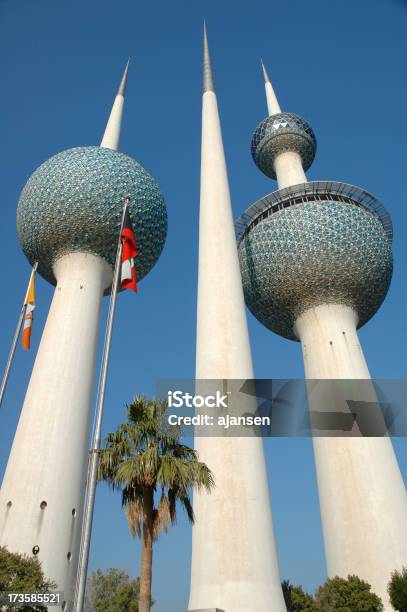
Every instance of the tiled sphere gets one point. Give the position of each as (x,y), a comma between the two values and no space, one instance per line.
(74,202)
(314,253)
(280,133)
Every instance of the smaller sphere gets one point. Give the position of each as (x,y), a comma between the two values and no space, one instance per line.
(280,133)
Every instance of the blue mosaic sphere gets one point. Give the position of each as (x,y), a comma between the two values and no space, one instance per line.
(74,202)
(314,253)
(280,133)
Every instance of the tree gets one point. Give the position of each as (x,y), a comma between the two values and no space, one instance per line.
(351,595)
(302,601)
(113,591)
(397,590)
(296,599)
(20,573)
(145,459)
(287,588)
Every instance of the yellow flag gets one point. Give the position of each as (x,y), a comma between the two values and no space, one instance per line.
(29,314)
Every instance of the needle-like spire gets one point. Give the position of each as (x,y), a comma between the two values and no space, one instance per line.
(122,87)
(208,84)
(272,102)
(266,76)
(111,136)
(222,353)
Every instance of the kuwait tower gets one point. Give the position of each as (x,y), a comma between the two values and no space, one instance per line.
(234,562)
(316,263)
(68,220)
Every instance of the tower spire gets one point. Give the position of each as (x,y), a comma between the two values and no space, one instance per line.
(284,157)
(123,82)
(208,84)
(111,137)
(272,102)
(243,574)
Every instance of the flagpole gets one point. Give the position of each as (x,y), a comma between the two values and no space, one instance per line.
(94,452)
(15,339)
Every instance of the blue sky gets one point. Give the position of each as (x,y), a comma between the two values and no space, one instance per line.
(340,65)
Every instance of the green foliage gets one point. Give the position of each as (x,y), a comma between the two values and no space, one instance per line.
(302,601)
(351,595)
(145,453)
(335,595)
(22,573)
(113,591)
(296,599)
(397,589)
(286,587)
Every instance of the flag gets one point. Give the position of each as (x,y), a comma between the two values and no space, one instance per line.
(29,312)
(128,271)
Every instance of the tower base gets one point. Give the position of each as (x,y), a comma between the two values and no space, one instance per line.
(206,610)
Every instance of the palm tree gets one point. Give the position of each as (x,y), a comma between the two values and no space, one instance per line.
(145,459)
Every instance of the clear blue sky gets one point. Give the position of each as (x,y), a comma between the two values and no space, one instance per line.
(339,64)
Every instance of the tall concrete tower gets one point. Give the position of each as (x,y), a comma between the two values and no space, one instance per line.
(234,562)
(316,263)
(68,219)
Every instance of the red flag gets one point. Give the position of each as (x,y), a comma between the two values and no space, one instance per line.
(129,252)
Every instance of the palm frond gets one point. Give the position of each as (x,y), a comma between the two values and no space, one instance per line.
(162,516)
(134,513)
(186,504)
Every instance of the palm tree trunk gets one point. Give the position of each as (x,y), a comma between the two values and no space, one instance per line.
(146,552)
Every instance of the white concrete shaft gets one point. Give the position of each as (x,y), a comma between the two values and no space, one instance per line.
(287,165)
(272,103)
(362,494)
(49,455)
(234,562)
(111,137)
(289,170)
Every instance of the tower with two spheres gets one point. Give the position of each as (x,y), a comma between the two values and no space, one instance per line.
(316,263)
(68,220)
